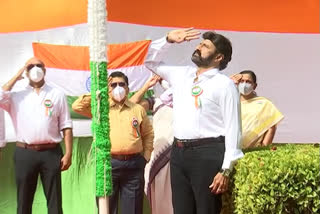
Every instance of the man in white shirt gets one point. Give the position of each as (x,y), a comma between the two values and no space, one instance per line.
(38,113)
(206,115)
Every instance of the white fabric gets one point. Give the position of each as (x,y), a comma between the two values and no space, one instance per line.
(163,138)
(219,114)
(30,118)
(160,191)
(269,55)
(161,195)
(79,81)
(2,129)
(97,20)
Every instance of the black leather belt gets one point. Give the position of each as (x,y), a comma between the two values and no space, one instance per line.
(37,147)
(197,142)
(124,157)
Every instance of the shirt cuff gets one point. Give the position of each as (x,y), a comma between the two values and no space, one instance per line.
(66,124)
(230,160)
(2,144)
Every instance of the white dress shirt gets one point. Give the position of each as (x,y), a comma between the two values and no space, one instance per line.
(33,122)
(219,113)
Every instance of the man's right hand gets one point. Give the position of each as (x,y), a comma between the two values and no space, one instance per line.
(181,35)
(152,81)
(8,86)
(19,75)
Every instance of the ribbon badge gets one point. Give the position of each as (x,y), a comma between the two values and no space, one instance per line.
(196,92)
(48,105)
(135,125)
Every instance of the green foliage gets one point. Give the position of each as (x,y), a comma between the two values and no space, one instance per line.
(101,128)
(278,179)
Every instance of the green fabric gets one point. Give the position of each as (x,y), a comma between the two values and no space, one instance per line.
(78,186)
(74,115)
(146,95)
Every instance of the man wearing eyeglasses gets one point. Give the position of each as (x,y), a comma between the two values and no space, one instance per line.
(38,112)
(131,136)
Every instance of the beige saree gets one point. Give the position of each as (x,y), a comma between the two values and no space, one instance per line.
(258,116)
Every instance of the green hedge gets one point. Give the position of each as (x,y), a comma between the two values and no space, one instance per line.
(277,179)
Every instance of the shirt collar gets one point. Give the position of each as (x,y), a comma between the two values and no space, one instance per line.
(43,87)
(126,103)
(210,73)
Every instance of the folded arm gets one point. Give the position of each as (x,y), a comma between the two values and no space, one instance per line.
(269,135)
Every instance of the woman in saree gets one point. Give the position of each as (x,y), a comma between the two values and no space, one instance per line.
(157,170)
(259,115)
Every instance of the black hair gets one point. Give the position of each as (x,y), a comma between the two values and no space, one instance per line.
(223,46)
(251,73)
(121,75)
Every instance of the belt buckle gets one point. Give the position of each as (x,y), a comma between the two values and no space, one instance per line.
(180,143)
(36,147)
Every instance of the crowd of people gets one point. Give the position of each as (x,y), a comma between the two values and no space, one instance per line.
(182,159)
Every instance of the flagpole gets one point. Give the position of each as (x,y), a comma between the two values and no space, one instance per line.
(97,21)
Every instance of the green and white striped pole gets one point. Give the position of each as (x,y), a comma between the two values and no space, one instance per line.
(97,21)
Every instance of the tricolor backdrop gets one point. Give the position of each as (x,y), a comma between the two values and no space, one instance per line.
(279,40)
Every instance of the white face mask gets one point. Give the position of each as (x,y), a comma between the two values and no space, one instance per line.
(245,88)
(36,74)
(118,93)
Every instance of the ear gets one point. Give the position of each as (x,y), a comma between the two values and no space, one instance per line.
(255,86)
(219,57)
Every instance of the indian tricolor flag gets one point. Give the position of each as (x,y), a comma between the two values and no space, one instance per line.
(68,66)
(278,40)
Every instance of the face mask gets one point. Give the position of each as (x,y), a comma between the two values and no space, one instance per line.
(36,74)
(118,93)
(245,88)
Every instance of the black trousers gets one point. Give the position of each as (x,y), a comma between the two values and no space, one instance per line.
(29,164)
(128,181)
(192,171)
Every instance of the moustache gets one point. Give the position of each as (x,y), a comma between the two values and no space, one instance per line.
(196,52)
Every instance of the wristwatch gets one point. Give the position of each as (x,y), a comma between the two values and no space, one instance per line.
(225,172)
